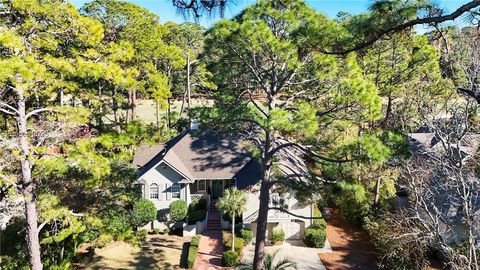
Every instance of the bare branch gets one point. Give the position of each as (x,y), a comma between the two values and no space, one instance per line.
(38,111)
(396,28)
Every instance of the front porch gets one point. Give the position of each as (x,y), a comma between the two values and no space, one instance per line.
(214,188)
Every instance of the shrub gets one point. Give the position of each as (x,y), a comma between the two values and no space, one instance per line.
(156,231)
(197,215)
(166,231)
(398,248)
(143,211)
(126,236)
(192,251)
(278,236)
(319,224)
(229,258)
(103,240)
(198,204)
(239,242)
(247,235)
(315,237)
(141,235)
(353,202)
(178,211)
(116,222)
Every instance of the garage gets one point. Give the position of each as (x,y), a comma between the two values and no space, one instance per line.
(293,230)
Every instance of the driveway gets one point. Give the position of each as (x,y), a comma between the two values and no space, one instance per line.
(305,257)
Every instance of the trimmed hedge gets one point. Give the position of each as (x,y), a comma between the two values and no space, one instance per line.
(319,224)
(315,237)
(200,204)
(178,210)
(192,251)
(239,243)
(247,235)
(196,215)
(229,258)
(143,211)
(278,236)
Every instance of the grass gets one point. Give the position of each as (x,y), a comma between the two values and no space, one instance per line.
(158,252)
(192,251)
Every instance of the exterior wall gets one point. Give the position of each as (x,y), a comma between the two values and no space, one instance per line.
(164,177)
(277,219)
(274,216)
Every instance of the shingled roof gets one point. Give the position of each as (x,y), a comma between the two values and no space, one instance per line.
(204,156)
(200,156)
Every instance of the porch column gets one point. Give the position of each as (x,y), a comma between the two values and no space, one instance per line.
(188,198)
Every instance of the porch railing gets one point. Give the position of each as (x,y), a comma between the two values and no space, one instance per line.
(197,196)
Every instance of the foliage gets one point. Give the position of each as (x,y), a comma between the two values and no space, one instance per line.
(268,263)
(239,243)
(143,211)
(319,224)
(352,200)
(229,258)
(116,222)
(315,236)
(233,203)
(196,215)
(278,236)
(247,235)
(396,252)
(177,211)
(198,204)
(192,251)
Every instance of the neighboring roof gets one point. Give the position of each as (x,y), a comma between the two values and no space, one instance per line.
(145,153)
(425,143)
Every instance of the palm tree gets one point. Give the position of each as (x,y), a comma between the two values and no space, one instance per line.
(233,203)
(282,264)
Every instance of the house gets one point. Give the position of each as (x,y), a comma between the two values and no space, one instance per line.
(445,199)
(197,165)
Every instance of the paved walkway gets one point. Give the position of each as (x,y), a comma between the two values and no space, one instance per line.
(209,255)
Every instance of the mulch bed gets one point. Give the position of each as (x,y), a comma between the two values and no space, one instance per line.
(351,246)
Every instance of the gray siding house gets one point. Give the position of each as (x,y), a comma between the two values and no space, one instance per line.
(195,165)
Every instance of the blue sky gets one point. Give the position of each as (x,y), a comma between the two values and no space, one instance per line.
(167,12)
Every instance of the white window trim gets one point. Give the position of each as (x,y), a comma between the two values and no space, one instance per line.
(168,192)
(198,185)
(150,191)
(176,185)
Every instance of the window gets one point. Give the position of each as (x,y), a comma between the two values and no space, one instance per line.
(154,191)
(201,185)
(175,191)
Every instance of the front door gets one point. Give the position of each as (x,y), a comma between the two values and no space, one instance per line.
(217,188)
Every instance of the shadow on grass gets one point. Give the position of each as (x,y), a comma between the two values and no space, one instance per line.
(184,257)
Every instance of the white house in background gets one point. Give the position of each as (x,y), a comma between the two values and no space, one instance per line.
(193,165)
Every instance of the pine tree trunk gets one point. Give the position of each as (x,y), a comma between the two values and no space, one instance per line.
(188,84)
(33,242)
(61,97)
(233,232)
(264,198)
(262,223)
(377,191)
(133,103)
(169,112)
(157,113)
